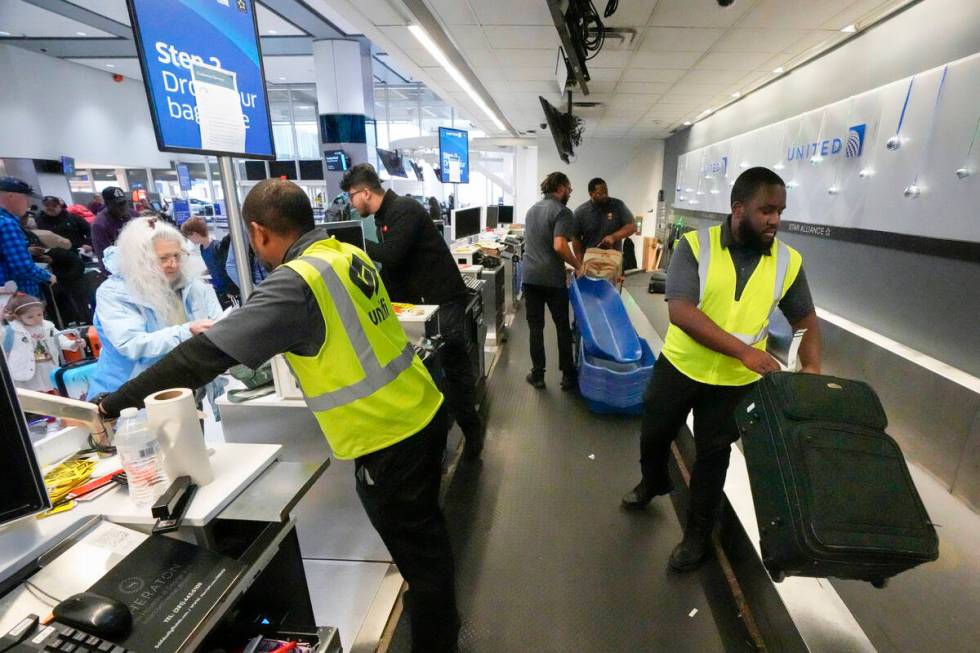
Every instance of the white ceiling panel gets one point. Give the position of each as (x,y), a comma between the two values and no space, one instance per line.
(422,58)
(529,58)
(518,73)
(641,87)
(679,39)
(521,37)
(295,70)
(635,13)
(484,59)
(665,76)
(114,9)
(698,13)
(758,40)
(380,12)
(19,18)
(401,37)
(125,67)
(855,13)
(438,74)
(512,12)
(470,37)
(605,75)
(646,75)
(795,14)
(453,12)
(610,59)
(601,87)
(819,38)
(669,60)
(644,100)
(271,23)
(724,77)
(728,61)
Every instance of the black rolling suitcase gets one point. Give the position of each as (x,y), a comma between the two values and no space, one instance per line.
(832,493)
(658,282)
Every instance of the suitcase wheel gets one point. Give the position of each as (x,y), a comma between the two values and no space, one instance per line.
(777,575)
(880,583)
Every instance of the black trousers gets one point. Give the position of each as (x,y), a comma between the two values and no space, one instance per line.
(669,397)
(399,489)
(535,299)
(460,386)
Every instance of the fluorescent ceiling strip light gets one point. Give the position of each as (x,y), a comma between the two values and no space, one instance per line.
(457,76)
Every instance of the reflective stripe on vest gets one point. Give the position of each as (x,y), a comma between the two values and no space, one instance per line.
(782,268)
(375,376)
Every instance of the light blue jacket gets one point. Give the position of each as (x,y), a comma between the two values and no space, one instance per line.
(133,337)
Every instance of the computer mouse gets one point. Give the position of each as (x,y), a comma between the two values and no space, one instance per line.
(94,614)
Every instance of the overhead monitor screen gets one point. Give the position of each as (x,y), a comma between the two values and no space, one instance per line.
(202,69)
(454,156)
(343,128)
(392,162)
(337,160)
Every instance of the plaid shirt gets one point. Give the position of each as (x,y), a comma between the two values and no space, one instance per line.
(16,263)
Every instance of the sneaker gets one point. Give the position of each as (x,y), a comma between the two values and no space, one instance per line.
(537,380)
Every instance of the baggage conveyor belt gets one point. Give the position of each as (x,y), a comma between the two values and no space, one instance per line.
(546,559)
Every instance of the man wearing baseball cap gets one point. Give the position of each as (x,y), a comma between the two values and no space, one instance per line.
(16,263)
(110,220)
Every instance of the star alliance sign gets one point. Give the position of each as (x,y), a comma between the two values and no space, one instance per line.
(852,149)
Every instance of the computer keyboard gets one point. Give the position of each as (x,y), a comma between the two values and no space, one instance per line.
(471,282)
(59,638)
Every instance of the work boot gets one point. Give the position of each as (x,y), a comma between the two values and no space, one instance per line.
(569,381)
(475,436)
(641,495)
(536,379)
(695,548)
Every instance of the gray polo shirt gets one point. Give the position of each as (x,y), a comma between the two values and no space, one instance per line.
(545,221)
(594,222)
(281,315)
(683,281)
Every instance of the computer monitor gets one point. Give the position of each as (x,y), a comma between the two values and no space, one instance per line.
(350,232)
(466,222)
(22,490)
(505,214)
(156,206)
(492,214)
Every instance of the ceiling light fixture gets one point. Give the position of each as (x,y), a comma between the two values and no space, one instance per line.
(282,79)
(736,95)
(4,33)
(687,123)
(271,31)
(81,33)
(457,76)
(850,29)
(778,71)
(110,65)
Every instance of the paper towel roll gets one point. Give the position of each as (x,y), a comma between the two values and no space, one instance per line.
(173,414)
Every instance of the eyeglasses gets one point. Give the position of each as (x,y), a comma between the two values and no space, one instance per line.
(171,257)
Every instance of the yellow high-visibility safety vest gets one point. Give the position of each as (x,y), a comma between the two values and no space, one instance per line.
(747,319)
(366,387)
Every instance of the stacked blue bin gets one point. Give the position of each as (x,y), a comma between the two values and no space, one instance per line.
(614,363)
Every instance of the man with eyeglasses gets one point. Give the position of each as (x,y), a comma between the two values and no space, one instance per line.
(418,268)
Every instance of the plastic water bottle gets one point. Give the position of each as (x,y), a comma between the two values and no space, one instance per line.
(139,451)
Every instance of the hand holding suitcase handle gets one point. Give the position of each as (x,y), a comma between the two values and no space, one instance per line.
(759,361)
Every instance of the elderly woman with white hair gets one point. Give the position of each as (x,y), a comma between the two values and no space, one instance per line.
(154,300)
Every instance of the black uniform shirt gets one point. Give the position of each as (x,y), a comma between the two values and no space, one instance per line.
(416,264)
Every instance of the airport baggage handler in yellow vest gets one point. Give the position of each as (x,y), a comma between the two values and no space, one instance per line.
(325,308)
(722,285)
